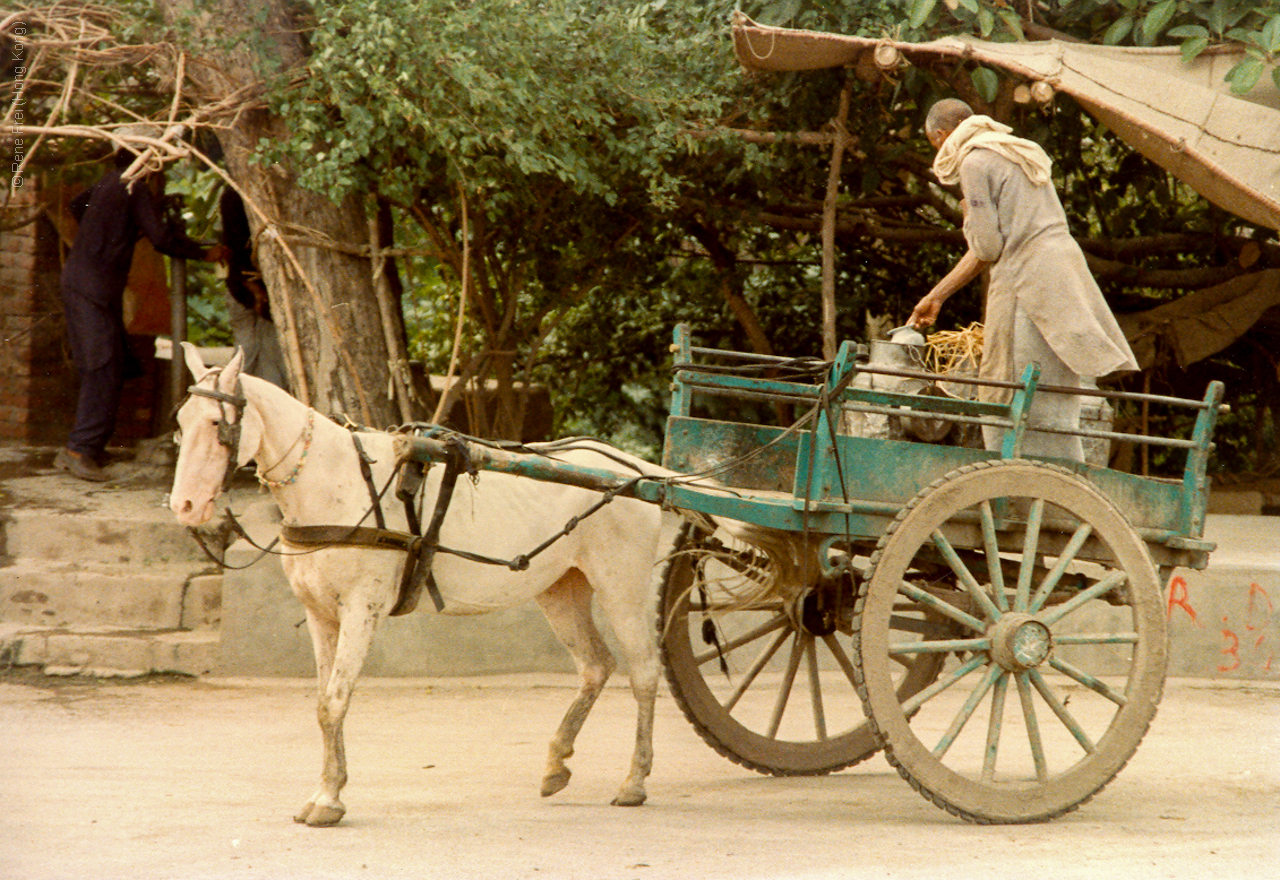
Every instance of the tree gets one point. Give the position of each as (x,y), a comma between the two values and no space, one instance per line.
(554,182)
(313,250)
(534,147)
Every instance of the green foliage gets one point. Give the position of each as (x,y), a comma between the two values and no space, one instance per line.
(598,219)
(508,96)
(1194,25)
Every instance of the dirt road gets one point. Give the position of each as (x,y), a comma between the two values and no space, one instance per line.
(198,779)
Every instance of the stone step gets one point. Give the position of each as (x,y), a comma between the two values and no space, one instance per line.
(146,537)
(158,596)
(109,652)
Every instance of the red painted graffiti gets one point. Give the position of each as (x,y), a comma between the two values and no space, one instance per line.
(1179,598)
(1254,652)
(1232,649)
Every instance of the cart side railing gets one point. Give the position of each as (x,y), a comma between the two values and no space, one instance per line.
(825,470)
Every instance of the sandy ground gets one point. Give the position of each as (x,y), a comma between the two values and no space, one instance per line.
(199,779)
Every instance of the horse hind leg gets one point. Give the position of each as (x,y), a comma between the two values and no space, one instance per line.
(567,607)
(631,617)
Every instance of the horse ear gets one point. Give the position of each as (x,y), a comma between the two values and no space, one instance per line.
(231,372)
(194,362)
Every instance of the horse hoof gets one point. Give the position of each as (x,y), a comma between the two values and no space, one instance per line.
(554,782)
(323,817)
(629,799)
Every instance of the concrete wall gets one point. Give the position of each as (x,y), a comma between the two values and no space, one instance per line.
(1223,622)
(264,632)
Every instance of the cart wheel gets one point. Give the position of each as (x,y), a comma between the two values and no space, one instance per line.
(1063,651)
(767,686)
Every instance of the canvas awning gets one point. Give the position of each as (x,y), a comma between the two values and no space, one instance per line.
(1202,323)
(1182,116)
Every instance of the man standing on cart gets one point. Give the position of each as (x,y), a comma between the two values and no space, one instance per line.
(1043,305)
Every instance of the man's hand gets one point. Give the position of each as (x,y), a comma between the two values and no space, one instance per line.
(219,253)
(926,311)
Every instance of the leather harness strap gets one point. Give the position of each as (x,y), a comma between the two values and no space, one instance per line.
(228,429)
(357,536)
(420,549)
(366,471)
(417,569)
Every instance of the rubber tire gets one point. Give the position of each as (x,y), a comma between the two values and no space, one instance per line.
(965,797)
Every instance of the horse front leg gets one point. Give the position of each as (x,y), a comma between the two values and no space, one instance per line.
(351,638)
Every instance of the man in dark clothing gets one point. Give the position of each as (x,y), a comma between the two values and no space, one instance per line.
(113,216)
(247,302)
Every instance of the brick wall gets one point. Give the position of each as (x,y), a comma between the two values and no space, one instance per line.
(38,382)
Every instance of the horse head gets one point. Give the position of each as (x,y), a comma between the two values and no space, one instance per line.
(216,427)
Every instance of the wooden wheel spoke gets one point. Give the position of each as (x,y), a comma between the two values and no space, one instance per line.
(967,710)
(738,641)
(730,605)
(1119,638)
(1101,588)
(994,723)
(915,702)
(1060,709)
(815,689)
(1030,544)
(945,646)
(731,708)
(761,661)
(1033,727)
(846,665)
(944,608)
(965,576)
(1067,556)
(1091,682)
(788,682)
(992,547)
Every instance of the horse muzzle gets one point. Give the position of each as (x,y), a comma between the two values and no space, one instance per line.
(192,513)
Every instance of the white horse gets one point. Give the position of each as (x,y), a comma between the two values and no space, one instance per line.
(312,468)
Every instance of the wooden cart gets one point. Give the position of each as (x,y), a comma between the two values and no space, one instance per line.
(995,623)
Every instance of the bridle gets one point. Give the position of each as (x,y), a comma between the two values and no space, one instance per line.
(228,430)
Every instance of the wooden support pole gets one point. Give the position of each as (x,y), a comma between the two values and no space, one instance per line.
(401,380)
(829,205)
(177,329)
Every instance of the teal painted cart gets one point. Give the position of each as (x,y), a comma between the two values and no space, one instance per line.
(996,624)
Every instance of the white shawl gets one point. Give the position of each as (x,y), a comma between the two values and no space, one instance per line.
(983,132)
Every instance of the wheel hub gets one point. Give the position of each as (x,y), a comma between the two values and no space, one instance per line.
(1020,642)
(812,611)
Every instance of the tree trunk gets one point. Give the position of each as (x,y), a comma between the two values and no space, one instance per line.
(323,301)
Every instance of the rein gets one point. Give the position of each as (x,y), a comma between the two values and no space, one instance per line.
(420,545)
